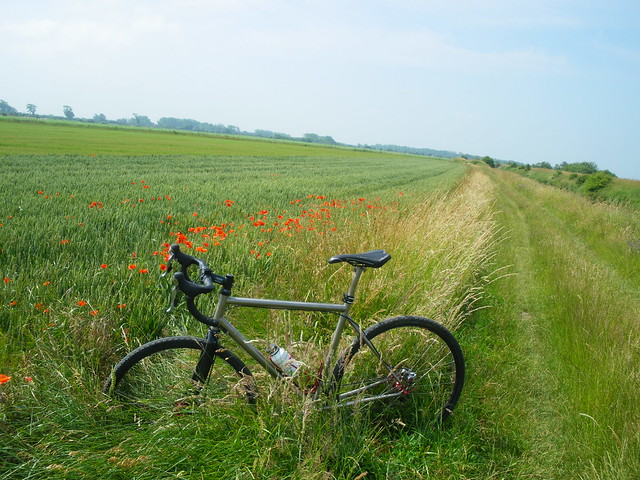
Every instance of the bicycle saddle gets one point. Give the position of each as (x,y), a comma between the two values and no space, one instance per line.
(374,259)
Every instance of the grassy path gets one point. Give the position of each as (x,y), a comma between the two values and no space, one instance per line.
(559,366)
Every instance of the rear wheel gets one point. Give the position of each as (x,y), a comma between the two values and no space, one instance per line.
(418,377)
(176,374)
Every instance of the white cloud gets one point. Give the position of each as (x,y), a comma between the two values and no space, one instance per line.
(70,31)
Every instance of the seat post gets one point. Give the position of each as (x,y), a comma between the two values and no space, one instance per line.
(350,296)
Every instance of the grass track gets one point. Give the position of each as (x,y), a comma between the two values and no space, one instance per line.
(562,374)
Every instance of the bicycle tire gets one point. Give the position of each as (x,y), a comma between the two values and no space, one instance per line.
(159,375)
(419,376)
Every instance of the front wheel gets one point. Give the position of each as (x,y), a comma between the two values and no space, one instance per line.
(174,374)
(416,372)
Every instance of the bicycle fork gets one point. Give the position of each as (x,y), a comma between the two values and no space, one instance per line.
(207,357)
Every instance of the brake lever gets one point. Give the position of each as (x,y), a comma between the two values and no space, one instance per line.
(169,267)
(173,295)
(173,299)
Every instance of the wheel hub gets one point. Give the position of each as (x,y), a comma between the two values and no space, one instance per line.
(403,380)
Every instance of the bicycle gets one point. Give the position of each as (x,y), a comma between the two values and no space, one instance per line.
(408,363)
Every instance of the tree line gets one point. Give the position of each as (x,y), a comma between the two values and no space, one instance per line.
(585,168)
(583,177)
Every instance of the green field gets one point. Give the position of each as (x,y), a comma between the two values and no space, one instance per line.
(29,136)
(539,284)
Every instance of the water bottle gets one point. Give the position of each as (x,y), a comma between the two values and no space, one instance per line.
(283,360)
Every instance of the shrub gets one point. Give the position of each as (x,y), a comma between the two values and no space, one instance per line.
(596,181)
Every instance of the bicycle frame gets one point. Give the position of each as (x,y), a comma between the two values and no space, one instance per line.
(343,309)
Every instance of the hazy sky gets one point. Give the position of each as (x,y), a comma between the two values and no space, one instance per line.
(524,80)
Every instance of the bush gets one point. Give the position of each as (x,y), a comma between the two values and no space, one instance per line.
(596,181)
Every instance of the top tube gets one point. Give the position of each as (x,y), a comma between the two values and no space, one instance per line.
(287,305)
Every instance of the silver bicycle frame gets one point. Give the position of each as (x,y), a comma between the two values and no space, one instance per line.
(343,309)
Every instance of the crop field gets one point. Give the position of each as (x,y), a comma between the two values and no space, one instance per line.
(540,286)
(27,136)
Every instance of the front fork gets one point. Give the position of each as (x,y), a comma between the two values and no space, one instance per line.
(207,357)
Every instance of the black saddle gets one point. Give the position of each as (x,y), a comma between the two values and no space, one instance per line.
(374,259)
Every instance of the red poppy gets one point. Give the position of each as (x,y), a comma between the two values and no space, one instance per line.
(4,378)
(133,266)
(104,265)
(82,303)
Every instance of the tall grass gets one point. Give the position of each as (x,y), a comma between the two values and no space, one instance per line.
(82,239)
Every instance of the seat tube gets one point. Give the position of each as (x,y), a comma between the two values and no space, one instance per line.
(349,298)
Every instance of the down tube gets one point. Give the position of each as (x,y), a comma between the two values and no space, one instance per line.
(248,347)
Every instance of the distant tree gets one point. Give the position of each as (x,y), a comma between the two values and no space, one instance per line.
(282,136)
(264,133)
(271,134)
(171,123)
(596,181)
(31,108)
(542,165)
(6,109)
(68,112)
(100,118)
(315,138)
(578,167)
(141,121)
(489,161)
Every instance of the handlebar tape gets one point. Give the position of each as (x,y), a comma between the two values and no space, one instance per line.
(190,288)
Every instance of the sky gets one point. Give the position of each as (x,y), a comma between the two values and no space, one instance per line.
(523,80)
